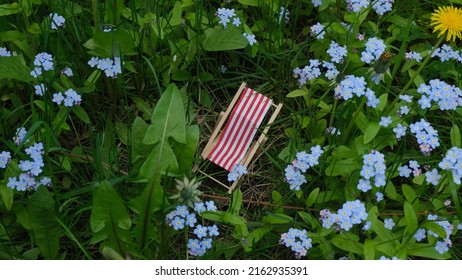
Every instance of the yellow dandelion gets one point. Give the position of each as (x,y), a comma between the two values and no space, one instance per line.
(447,20)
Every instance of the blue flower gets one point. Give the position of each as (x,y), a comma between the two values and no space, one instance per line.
(182,211)
(385,121)
(432,177)
(199,207)
(318,31)
(414,55)
(4,52)
(4,158)
(374,49)
(200,231)
(399,131)
(441,247)
(213,230)
(56,21)
(191,220)
(250,38)
(382,6)
(206,243)
(178,223)
(420,234)
(210,206)
(68,72)
(389,224)
(378,196)
(404,171)
(40,89)
(337,52)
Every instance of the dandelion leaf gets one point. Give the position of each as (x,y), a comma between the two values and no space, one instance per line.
(45,227)
(109,219)
(224,40)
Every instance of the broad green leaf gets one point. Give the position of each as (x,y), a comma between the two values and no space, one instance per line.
(309,219)
(455,136)
(139,128)
(236,202)
(225,217)
(10,9)
(109,218)
(110,44)
(12,67)
(161,158)
(347,244)
(113,10)
(341,167)
(408,193)
(224,40)
(46,229)
(371,131)
(275,219)
(149,202)
(410,216)
(361,122)
(312,198)
(369,249)
(175,18)
(81,114)
(298,92)
(7,195)
(428,251)
(185,153)
(383,102)
(257,234)
(168,118)
(432,226)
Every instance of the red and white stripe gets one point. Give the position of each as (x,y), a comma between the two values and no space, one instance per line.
(240,129)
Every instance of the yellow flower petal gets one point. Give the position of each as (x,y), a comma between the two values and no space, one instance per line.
(447,20)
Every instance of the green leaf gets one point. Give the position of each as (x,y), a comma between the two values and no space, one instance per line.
(10,9)
(371,131)
(236,202)
(224,40)
(167,121)
(275,219)
(428,251)
(110,44)
(361,122)
(312,198)
(408,192)
(298,92)
(46,229)
(139,128)
(13,67)
(410,216)
(369,249)
(455,136)
(175,18)
(7,195)
(185,153)
(109,218)
(347,244)
(309,219)
(168,118)
(81,114)
(341,167)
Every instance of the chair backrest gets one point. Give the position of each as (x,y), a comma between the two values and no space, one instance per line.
(240,129)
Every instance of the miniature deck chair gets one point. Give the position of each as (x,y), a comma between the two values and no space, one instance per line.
(232,145)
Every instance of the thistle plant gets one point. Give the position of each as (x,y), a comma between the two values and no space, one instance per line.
(188,191)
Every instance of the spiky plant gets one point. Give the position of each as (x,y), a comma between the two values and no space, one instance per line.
(188,191)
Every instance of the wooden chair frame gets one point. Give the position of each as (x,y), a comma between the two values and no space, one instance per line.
(252,151)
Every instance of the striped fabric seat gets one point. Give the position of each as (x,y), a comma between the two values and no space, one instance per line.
(240,129)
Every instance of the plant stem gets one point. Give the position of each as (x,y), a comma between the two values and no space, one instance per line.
(414,76)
